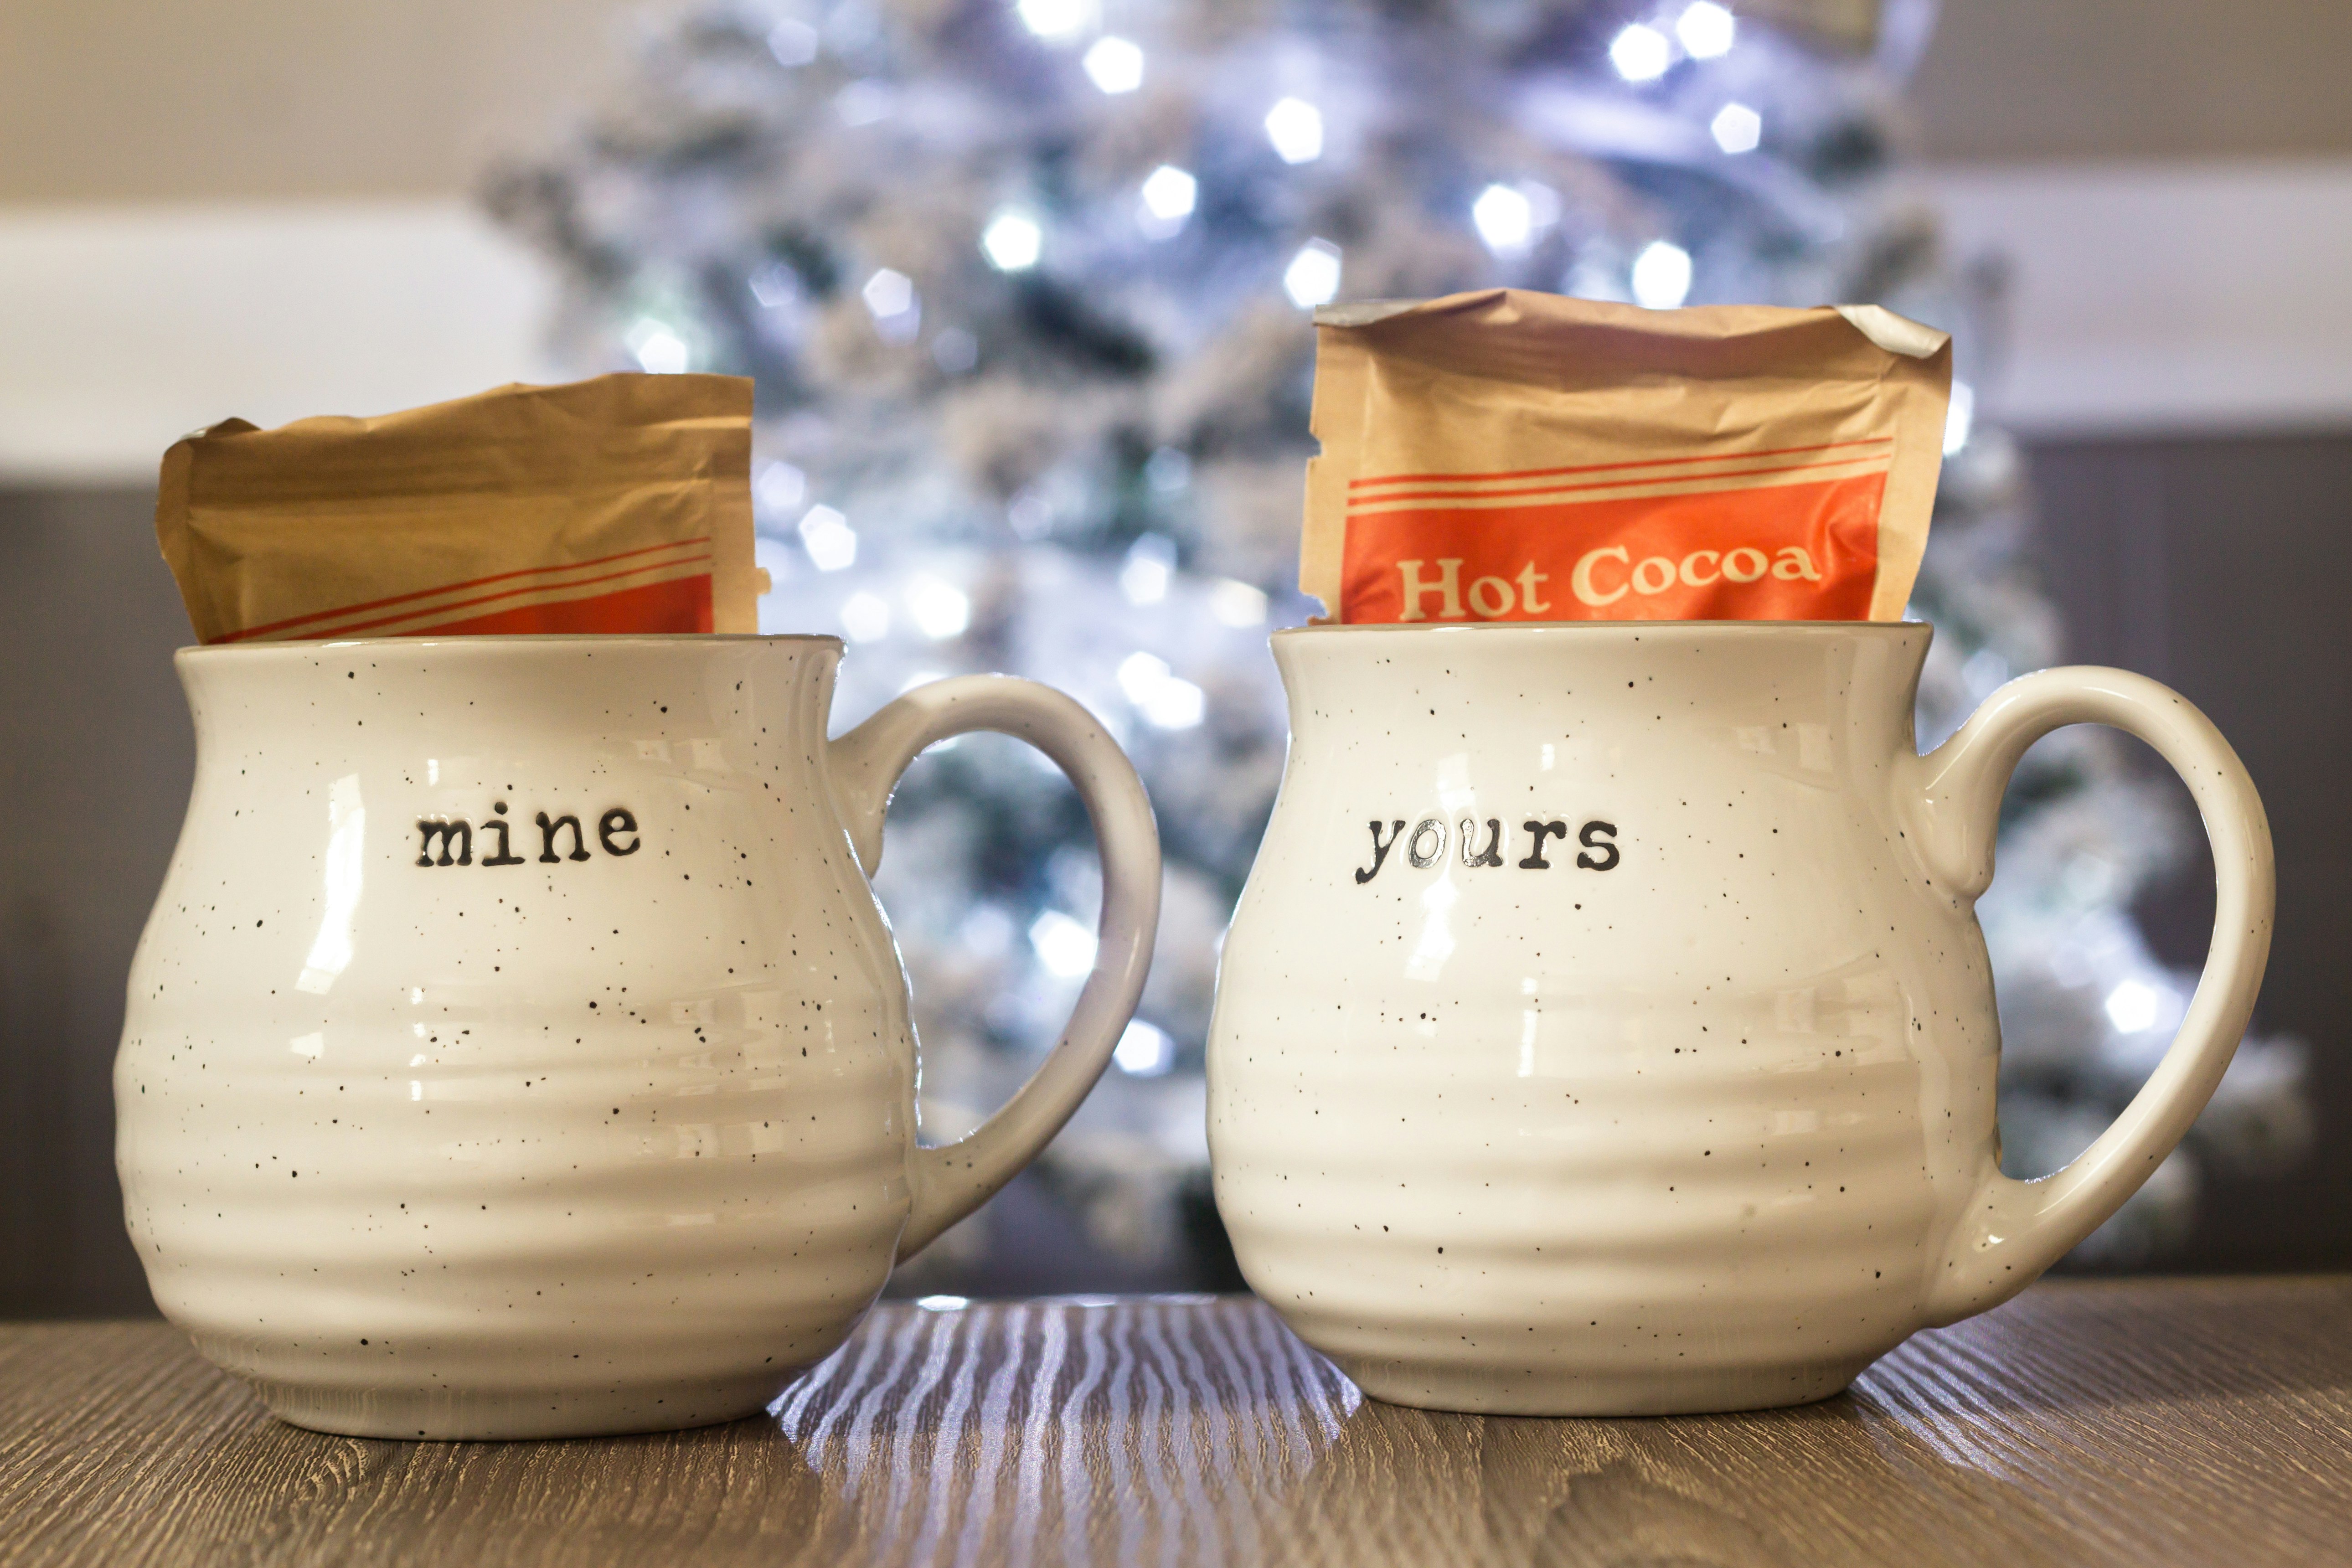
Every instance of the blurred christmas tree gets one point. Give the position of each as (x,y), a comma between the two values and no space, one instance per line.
(1025,287)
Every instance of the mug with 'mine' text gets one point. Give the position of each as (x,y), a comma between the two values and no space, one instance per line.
(517,1048)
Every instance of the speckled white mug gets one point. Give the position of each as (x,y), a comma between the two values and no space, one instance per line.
(1605,1028)
(516,1050)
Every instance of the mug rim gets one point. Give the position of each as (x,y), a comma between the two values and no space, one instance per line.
(291,645)
(1731,627)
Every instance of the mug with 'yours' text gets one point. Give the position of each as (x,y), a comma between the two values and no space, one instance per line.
(1605,1028)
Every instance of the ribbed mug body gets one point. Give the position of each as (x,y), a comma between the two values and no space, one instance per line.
(1590,1038)
(516,1047)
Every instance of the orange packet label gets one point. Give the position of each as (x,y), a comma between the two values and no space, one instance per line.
(619,504)
(1507,455)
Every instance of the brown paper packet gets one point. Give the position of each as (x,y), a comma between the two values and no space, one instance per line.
(619,504)
(1516,456)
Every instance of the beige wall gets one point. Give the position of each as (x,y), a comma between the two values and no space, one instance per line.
(2012,80)
(144,99)
(211,100)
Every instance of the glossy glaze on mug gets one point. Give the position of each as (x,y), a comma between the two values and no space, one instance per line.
(611,1132)
(1702,1124)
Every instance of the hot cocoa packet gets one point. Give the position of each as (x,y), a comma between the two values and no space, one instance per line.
(619,504)
(1515,456)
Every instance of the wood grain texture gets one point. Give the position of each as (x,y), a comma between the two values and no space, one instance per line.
(2149,1422)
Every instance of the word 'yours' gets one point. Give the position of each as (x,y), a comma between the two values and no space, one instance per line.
(1426,844)
(455,833)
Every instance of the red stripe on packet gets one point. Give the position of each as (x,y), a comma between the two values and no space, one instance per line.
(680,605)
(277,627)
(389,626)
(1878,441)
(1358,505)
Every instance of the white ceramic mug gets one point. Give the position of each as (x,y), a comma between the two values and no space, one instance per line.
(1605,1028)
(517,1048)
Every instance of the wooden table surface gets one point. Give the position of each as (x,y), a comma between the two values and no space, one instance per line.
(2144,1423)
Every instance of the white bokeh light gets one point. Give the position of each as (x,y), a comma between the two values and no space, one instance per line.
(830,541)
(1737,128)
(1295,128)
(1312,278)
(1012,241)
(1170,196)
(792,43)
(1706,30)
(1959,417)
(1143,582)
(1144,1050)
(657,349)
(1662,275)
(1140,674)
(1150,563)
(888,293)
(1640,53)
(940,609)
(1064,946)
(2133,1005)
(780,488)
(1114,65)
(863,102)
(1505,218)
(1167,700)
(1056,18)
(865,617)
(775,286)
(1237,604)
(1177,705)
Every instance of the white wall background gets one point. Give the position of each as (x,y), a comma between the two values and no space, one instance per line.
(122,328)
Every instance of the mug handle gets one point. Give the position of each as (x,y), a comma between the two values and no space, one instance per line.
(951,1181)
(2013,1230)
